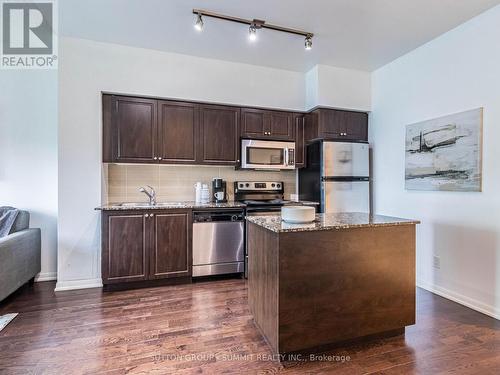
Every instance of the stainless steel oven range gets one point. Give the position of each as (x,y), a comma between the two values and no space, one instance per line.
(261,198)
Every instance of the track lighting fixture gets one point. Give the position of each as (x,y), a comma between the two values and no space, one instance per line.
(252,33)
(199,22)
(308,42)
(254,25)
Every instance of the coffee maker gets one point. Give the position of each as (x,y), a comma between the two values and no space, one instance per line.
(219,190)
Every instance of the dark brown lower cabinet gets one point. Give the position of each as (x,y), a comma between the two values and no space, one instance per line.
(125,241)
(171,248)
(145,245)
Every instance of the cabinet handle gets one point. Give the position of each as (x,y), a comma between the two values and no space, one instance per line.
(150,215)
(145,215)
(155,158)
(159,157)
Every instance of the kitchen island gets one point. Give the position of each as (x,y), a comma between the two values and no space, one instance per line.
(342,278)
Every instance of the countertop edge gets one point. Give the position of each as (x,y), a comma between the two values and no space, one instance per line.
(186,205)
(337,227)
(325,222)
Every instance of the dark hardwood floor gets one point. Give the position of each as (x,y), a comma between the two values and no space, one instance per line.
(207,328)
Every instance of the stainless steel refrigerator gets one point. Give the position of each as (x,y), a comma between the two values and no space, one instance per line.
(337,174)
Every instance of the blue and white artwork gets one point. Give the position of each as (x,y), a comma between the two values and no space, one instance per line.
(445,153)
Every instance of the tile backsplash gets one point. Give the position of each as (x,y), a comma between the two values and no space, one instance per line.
(176,182)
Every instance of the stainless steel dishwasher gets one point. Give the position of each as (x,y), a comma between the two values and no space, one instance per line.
(218,242)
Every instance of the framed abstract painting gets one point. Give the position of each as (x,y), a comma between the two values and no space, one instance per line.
(445,153)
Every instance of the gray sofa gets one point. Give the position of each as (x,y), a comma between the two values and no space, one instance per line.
(19,255)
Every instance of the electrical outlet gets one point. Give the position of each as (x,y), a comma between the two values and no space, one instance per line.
(437,262)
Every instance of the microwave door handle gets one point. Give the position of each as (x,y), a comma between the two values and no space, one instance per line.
(286,156)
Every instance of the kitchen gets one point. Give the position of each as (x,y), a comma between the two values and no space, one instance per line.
(147,243)
(246,196)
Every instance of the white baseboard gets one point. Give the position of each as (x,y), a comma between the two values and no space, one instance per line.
(46,276)
(78,284)
(461,299)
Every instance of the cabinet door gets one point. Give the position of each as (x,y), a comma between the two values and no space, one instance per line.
(331,123)
(171,254)
(177,132)
(125,247)
(252,123)
(356,126)
(311,122)
(279,126)
(299,141)
(219,135)
(134,129)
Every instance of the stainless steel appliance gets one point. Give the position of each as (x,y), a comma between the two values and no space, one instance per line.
(218,242)
(261,198)
(219,194)
(338,175)
(258,154)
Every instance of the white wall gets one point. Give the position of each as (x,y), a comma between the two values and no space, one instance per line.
(329,86)
(28,153)
(458,71)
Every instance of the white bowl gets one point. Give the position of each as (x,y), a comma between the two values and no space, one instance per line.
(298,214)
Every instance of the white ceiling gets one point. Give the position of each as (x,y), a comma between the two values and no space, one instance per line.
(358,34)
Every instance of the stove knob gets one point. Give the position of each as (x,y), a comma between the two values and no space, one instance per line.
(247,184)
(234,218)
(241,185)
(273,185)
(278,186)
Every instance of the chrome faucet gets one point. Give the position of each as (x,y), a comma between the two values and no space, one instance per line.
(151,194)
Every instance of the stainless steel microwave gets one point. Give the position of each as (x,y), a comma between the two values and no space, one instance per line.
(258,154)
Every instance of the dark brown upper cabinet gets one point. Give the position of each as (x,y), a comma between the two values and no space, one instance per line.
(332,124)
(146,245)
(219,135)
(265,124)
(178,132)
(300,156)
(141,130)
(133,129)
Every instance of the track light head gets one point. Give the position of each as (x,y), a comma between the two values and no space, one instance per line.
(308,44)
(199,22)
(252,33)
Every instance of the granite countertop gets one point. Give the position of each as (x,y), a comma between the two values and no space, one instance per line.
(184,204)
(329,221)
(167,206)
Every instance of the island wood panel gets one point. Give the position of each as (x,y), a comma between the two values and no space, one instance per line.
(333,286)
(344,284)
(263,281)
